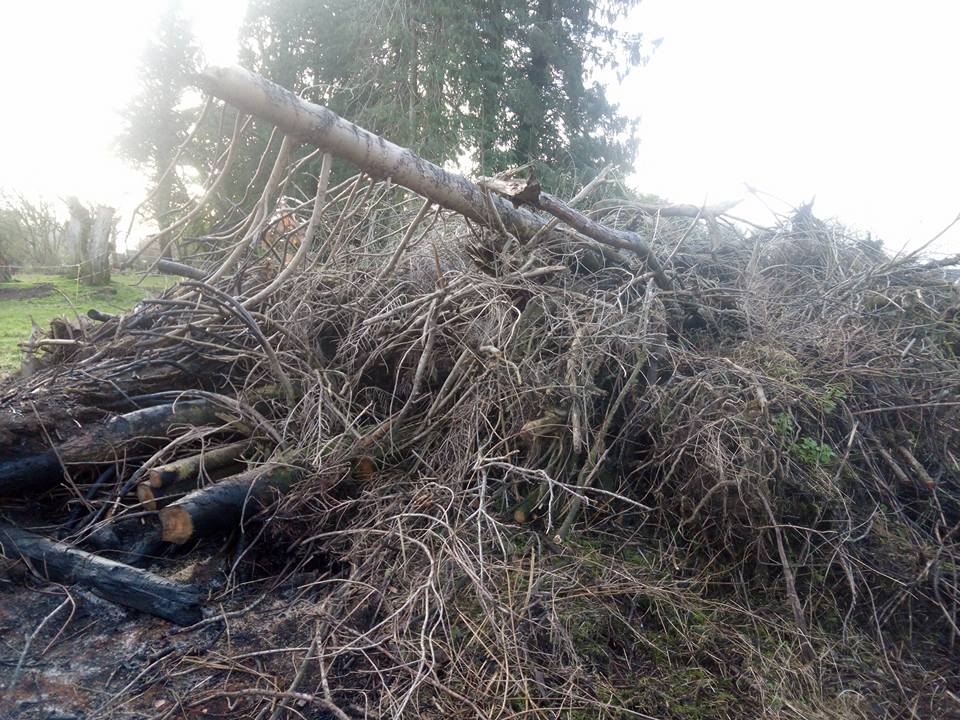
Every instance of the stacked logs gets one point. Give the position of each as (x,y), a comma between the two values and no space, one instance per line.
(199,512)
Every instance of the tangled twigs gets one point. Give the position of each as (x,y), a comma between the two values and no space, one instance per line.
(450,401)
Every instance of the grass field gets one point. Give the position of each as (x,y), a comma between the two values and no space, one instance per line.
(65,297)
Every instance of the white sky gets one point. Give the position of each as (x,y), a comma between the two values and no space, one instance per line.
(853,101)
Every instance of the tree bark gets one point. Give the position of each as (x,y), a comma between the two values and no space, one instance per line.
(113,581)
(174,268)
(101,246)
(77,232)
(222,506)
(378,157)
(381,158)
(189,467)
(153,498)
(44,470)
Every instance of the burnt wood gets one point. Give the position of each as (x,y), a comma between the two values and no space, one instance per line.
(121,584)
(99,443)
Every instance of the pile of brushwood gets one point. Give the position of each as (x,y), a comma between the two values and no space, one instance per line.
(517,460)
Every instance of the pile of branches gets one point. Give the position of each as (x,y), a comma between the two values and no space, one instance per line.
(644,462)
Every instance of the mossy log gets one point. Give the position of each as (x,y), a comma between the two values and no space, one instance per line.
(100,443)
(111,580)
(225,504)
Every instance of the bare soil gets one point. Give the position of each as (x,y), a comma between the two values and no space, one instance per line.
(26,293)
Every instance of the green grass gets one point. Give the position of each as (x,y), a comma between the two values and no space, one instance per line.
(15,313)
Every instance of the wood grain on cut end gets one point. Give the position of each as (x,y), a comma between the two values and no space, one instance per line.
(146,496)
(177,525)
(155,478)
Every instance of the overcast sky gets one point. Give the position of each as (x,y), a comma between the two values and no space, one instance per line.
(854,102)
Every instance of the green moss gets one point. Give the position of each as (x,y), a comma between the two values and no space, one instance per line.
(73,297)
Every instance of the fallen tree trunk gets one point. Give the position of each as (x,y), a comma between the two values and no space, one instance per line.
(113,581)
(381,158)
(369,152)
(44,470)
(221,506)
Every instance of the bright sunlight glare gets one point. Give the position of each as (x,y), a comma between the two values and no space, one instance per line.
(852,103)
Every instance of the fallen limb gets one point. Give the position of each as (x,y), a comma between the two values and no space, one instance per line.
(373,154)
(100,443)
(595,231)
(170,267)
(189,467)
(221,506)
(683,210)
(529,192)
(113,581)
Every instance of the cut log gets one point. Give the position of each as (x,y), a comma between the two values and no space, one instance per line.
(113,581)
(222,506)
(98,444)
(153,498)
(189,467)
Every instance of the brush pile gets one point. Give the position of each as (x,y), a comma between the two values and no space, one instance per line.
(467,472)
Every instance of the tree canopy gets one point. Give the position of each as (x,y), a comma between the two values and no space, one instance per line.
(157,119)
(504,82)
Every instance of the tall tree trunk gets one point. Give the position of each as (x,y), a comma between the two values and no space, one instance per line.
(162,204)
(101,245)
(531,119)
(492,35)
(77,235)
(5,273)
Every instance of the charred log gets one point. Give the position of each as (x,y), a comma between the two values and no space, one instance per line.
(222,506)
(111,580)
(44,470)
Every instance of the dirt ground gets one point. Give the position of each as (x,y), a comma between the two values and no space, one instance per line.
(66,654)
(26,293)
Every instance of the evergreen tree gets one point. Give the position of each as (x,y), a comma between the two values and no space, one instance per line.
(503,80)
(156,121)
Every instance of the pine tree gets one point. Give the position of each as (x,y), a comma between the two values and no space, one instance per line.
(156,122)
(505,81)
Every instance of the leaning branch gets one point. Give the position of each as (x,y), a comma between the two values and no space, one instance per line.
(373,154)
